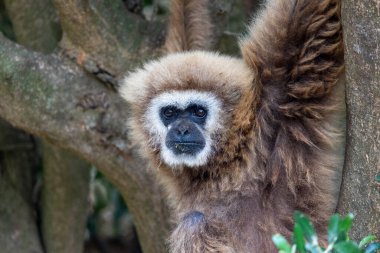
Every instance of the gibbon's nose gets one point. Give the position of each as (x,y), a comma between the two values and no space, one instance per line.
(183,129)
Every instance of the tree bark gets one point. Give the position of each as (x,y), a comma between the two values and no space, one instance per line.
(118,38)
(66,178)
(65,203)
(18,223)
(360,193)
(35,24)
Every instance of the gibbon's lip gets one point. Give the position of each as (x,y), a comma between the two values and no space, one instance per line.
(187,143)
(187,147)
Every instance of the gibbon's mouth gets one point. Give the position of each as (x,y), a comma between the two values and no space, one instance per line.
(190,148)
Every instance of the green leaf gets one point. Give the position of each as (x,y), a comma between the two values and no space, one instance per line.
(366,240)
(372,248)
(281,243)
(333,228)
(346,223)
(377,178)
(344,227)
(347,247)
(307,228)
(313,248)
(298,238)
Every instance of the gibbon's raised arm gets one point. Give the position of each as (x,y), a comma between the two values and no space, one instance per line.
(190,26)
(295,50)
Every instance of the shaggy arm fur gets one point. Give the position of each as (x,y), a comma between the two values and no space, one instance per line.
(296,53)
(189,26)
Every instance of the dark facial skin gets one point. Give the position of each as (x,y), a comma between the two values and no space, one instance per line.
(184,136)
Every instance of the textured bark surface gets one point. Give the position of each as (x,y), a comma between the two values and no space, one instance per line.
(35,24)
(118,38)
(360,193)
(65,203)
(18,225)
(66,178)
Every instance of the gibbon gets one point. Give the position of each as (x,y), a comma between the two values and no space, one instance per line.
(240,144)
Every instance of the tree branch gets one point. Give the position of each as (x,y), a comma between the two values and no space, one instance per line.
(35,24)
(55,100)
(105,33)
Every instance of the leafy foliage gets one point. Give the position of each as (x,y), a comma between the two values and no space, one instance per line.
(305,239)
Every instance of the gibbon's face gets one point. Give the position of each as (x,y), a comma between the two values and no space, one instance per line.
(184,122)
(184,104)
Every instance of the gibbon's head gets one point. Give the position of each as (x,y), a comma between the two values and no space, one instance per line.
(184,105)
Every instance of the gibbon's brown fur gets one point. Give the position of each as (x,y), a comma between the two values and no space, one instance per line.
(273,155)
(190,27)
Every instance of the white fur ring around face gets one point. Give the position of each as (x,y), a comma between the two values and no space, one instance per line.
(181,100)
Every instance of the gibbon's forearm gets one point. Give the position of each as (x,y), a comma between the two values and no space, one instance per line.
(190,26)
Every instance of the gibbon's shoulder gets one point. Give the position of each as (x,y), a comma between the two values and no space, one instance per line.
(186,70)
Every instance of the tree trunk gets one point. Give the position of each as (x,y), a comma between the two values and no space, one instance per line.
(65,203)
(360,193)
(18,223)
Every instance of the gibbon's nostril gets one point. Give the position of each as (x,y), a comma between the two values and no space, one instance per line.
(182,130)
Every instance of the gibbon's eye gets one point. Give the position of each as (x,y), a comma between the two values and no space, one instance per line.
(200,112)
(169,112)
